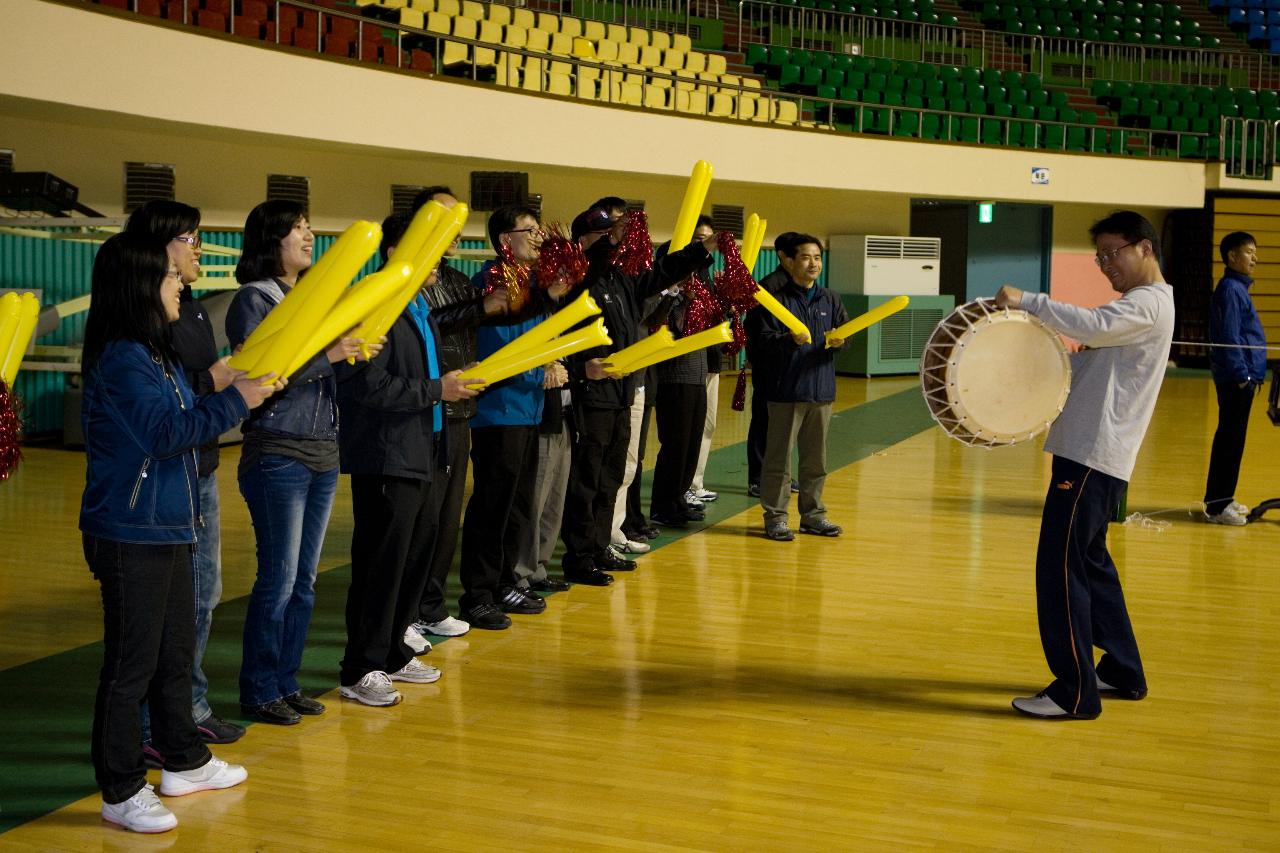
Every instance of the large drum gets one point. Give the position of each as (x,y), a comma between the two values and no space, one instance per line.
(994,376)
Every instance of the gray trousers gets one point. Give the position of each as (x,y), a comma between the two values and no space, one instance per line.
(803,425)
(548,506)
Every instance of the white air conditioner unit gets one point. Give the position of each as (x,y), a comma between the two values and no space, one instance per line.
(873,265)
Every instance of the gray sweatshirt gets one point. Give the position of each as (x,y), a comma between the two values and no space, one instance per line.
(1115,381)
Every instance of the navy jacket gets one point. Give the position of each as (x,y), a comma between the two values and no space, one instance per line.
(141,427)
(792,373)
(306,408)
(1234,320)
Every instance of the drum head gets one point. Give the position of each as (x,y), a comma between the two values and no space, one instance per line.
(994,377)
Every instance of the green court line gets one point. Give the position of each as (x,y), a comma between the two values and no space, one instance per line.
(46,705)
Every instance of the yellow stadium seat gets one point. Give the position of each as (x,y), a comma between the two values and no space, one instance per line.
(583,49)
(655,98)
(588,89)
(473,10)
(499,14)
(606,51)
(438,22)
(716,63)
(467,28)
(572,27)
(695,61)
(486,31)
(423,6)
(539,41)
(631,94)
(413,18)
(560,84)
(393,4)
(508,68)
(510,35)
(565,68)
(561,44)
(650,57)
(685,81)
(628,54)
(451,8)
(672,60)
(548,22)
(788,112)
(749,82)
(593,30)
(721,104)
(616,32)
(662,81)
(455,53)
(696,103)
(639,37)
(681,42)
(523,18)
(660,40)
(533,80)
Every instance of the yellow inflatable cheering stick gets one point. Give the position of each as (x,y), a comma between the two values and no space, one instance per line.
(594,335)
(659,341)
(714,336)
(752,240)
(695,195)
(863,321)
(13,345)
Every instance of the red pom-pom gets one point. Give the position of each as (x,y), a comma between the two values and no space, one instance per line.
(560,259)
(740,392)
(10,432)
(511,276)
(734,285)
(635,253)
(702,309)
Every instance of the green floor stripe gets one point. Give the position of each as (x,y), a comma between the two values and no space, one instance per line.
(47,705)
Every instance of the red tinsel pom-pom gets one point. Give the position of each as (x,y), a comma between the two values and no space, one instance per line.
(702,309)
(740,392)
(511,276)
(560,259)
(10,432)
(734,285)
(635,253)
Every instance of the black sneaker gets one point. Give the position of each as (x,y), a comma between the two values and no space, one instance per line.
(488,617)
(795,486)
(304,705)
(277,713)
(821,527)
(590,576)
(677,521)
(548,585)
(753,490)
(217,730)
(515,600)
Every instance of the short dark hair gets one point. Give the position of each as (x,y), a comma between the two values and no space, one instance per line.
(267,225)
(782,244)
(1234,241)
(1130,225)
(794,241)
(705,220)
(611,203)
(426,195)
(504,219)
(163,219)
(125,301)
(393,228)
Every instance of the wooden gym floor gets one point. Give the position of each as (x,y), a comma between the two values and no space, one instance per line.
(734,693)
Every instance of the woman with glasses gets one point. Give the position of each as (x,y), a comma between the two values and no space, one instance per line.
(288,471)
(176,225)
(140,519)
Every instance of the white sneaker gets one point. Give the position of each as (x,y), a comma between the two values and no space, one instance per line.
(630,546)
(1228,516)
(213,775)
(417,672)
(446,627)
(705,495)
(692,500)
(1239,507)
(414,639)
(143,812)
(374,689)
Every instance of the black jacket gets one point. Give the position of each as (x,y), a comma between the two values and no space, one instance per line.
(458,349)
(691,368)
(621,299)
(193,341)
(793,373)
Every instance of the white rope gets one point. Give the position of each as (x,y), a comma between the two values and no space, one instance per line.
(1226,346)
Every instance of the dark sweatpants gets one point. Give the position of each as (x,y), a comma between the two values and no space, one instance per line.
(504,466)
(595,476)
(1234,403)
(432,608)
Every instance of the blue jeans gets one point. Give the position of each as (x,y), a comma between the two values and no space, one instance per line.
(289,504)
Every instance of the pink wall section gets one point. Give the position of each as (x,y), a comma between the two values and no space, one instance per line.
(1075,279)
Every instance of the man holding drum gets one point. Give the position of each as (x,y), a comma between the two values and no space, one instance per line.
(1114,384)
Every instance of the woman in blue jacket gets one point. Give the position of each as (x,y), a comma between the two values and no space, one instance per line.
(288,471)
(139,517)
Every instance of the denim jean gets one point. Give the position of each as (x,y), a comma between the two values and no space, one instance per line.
(148,642)
(206,578)
(289,505)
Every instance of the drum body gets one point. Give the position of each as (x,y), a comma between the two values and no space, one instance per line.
(994,376)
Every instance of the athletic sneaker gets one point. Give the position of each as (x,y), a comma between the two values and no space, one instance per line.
(446,627)
(414,639)
(213,775)
(416,672)
(151,756)
(214,729)
(1239,507)
(631,546)
(704,495)
(374,689)
(691,502)
(143,812)
(1228,516)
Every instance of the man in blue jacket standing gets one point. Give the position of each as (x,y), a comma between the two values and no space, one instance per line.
(800,385)
(1237,373)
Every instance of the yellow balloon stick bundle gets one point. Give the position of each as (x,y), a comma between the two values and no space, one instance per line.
(864,321)
(424,243)
(752,240)
(490,371)
(18,316)
(721,334)
(620,361)
(289,326)
(769,303)
(695,195)
(557,324)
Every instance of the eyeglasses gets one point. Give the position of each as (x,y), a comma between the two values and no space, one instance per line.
(193,242)
(530,230)
(1104,258)
(173,274)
